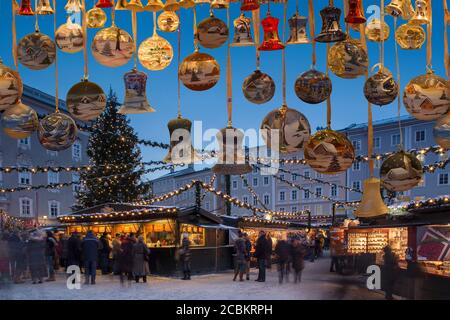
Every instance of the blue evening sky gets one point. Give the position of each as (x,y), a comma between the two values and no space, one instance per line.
(348,102)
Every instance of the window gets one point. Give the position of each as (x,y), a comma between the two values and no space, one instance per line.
(53,208)
(255,169)
(306,194)
(306,208)
(356,166)
(318,192)
(76,151)
(266,199)
(24,143)
(333,190)
(294,195)
(245,199)
(356,144)
(25,178)
(255,201)
(76,187)
(293,209)
(377,164)
(26,207)
(306,174)
(318,175)
(282,209)
(282,176)
(443,179)
(207,205)
(235,184)
(266,181)
(319,209)
(282,195)
(420,135)
(196,234)
(53,177)
(356,185)
(395,139)
(255,182)
(294,177)
(377,142)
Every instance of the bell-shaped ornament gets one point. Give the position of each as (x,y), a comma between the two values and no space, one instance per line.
(331,29)
(135,5)
(186,4)
(73,6)
(44,8)
(421,14)
(400,8)
(355,13)
(297,29)
(171,5)
(401,171)
(441,131)
(121,5)
(96,18)
(135,101)
(249,5)
(202,1)
(231,158)
(271,40)
(181,149)
(11,87)
(371,205)
(373,30)
(154,6)
(381,88)
(25,8)
(220,4)
(104,4)
(242,32)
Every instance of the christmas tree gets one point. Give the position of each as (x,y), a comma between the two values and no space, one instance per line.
(113,151)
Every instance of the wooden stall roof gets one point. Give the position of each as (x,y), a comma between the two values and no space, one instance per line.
(253,222)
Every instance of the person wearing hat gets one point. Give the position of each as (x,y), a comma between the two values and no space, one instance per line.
(261,249)
(185,256)
(36,256)
(140,260)
(248,248)
(90,247)
(241,253)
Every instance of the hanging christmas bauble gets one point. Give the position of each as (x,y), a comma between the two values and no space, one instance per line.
(427,97)
(381,88)
(401,171)
(168,21)
(373,30)
(410,36)
(57,131)
(329,152)
(19,121)
(96,18)
(348,59)
(112,47)
(155,53)
(441,131)
(258,87)
(199,71)
(313,86)
(85,100)
(69,37)
(286,128)
(212,32)
(36,51)
(11,87)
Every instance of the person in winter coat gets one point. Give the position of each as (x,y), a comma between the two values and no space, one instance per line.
(261,250)
(241,257)
(50,255)
(116,250)
(90,247)
(298,264)
(73,250)
(126,258)
(17,256)
(282,250)
(269,251)
(104,253)
(140,260)
(185,257)
(248,248)
(62,250)
(4,258)
(388,271)
(36,247)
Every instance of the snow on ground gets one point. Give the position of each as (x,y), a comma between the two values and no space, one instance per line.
(317,283)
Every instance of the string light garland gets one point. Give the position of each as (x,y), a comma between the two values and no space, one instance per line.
(253,193)
(8,222)
(441,202)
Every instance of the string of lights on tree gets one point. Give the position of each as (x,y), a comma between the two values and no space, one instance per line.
(8,222)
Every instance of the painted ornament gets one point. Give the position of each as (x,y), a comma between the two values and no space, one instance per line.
(313,86)
(11,87)
(155,53)
(85,100)
(199,71)
(348,59)
(19,121)
(381,88)
(57,132)
(441,131)
(69,37)
(212,32)
(36,51)
(168,21)
(401,171)
(258,87)
(112,47)
(96,18)
(410,36)
(135,101)
(373,30)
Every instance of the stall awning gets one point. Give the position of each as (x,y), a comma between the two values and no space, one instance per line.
(216,226)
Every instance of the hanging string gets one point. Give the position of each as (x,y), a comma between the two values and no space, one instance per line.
(256,20)
(382,35)
(229,83)
(446,55)
(329,97)
(154,23)
(14,34)
(36,20)
(195,29)
(283,57)
(399,98)
(429,40)
(178,58)
(134,28)
(347,25)
(84,27)
(113,15)
(312,31)
(56,62)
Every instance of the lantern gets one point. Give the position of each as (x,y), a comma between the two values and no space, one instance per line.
(381,88)
(199,71)
(271,40)
(154,5)
(427,97)
(212,32)
(36,51)
(441,131)
(69,37)
(11,87)
(112,47)
(331,29)
(135,101)
(96,18)
(25,8)
(44,7)
(410,36)
(355,13)
(291,126)
(19,121)
(348,59)
(249,5)
(57,131)
(420,15)
(313,86)
(104,4)
(329,152)
(181,150)
(401,171)
(155,53)
(168,21)
(373,30)
(258,87)
(86,100)
(242,32)
(297,29)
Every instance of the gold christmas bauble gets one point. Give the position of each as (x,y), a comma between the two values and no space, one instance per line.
(85,100)
(348,59)
(401,171)
(441,131)
(36,51)
(57,132)
(381,88)
(112,47)
(427,97)
(212,32)
(286,128)
(410,36)
(313,86)
(19,121)
(168,21)
(373,30)
(69,37)
(155,53)
(258,87)
(96,18)
(199,71)
(329,152)
(11,87)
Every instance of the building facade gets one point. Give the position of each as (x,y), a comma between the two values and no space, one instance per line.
(43,205)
